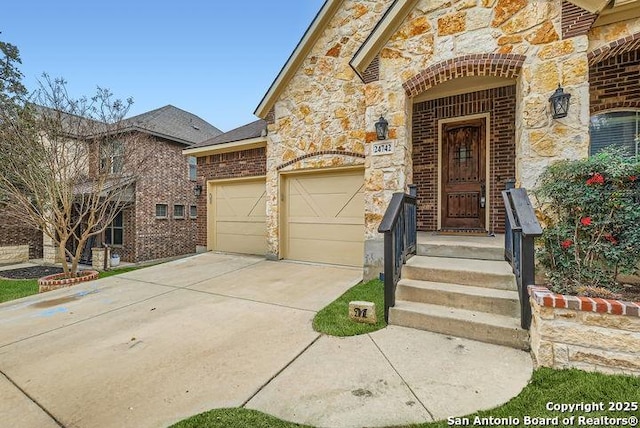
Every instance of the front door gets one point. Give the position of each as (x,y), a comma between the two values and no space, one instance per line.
(463,175)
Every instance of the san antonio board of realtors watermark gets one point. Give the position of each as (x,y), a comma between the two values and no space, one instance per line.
(567,418)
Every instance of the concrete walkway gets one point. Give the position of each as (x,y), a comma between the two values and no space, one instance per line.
(154,346)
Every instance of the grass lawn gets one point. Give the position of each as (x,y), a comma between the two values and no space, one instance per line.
(547,385)
(334,319)
(11,289)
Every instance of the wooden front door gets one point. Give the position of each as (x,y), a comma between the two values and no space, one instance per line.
(463,175)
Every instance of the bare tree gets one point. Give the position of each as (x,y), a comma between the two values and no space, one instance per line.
(69,166)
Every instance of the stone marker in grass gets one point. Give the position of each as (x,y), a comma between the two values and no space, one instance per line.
(363,312)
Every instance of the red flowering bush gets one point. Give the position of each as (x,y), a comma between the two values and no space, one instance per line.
(594,231)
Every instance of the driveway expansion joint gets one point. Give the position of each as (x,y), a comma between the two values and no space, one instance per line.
(402,378)
(33,400)
(306,348)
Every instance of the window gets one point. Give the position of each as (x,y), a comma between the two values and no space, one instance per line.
(162,210)
(193,168)
(112,157)
(619,129)
(178,211)
(193,211)
(114,234)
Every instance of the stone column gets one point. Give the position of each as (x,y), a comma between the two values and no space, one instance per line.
(98,255)
(384,174)
(540,140)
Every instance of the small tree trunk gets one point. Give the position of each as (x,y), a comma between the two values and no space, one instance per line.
(62,253)
(75,261)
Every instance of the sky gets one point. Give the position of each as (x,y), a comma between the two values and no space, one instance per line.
(215,59)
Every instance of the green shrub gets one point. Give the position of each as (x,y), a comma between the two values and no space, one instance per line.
(593,214)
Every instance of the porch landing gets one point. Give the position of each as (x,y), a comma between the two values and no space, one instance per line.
(481,247)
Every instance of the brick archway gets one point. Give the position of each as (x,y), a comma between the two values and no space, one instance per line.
(626,44)
(610,70)
(499,65)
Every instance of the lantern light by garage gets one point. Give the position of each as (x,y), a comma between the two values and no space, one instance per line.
(382,128)
(197,191)
(559,103)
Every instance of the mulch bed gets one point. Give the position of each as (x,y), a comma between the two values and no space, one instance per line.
(30,272)
(631,293)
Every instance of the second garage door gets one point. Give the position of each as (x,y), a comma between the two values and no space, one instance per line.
(237,220)
(324,217)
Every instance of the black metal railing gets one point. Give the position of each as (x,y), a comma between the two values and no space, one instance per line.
(399,226)
(521,228)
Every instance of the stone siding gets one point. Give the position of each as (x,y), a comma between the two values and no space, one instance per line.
(500,103)
(243,163)
(14,254)
(326,107)
(584,333)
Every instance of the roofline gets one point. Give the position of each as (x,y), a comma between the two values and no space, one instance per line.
(593,6)
(157,134)
(233,146)
(297,56)
(382,32)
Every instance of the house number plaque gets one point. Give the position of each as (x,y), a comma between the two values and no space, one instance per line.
(382,148)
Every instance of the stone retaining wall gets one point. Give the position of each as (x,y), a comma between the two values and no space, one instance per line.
(14,254)
(585,333)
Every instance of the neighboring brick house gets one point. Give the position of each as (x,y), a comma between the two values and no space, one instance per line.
(160,221)
(465,88)
(18,242)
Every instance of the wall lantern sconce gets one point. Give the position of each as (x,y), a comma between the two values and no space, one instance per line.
(197,191)
(559,103)
(382,128)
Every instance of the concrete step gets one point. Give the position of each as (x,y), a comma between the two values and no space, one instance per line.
(501,302)
(478,273)
(461,247)
(475,325)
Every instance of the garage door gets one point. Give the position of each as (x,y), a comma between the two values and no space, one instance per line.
(324,218)
(238,223)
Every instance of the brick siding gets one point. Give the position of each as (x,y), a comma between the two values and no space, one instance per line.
(501,103)
(164,181)
(243,163)
(575,20)
(13,232)
(372,73)
(614,82)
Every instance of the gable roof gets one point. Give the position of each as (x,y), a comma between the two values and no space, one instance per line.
(174,124)
(382,32)
(244,137)
(298,55)
(256,129)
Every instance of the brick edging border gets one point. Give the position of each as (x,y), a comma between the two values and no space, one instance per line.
(545,297)
(58,280)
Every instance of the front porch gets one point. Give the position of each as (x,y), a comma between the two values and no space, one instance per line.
(460,285)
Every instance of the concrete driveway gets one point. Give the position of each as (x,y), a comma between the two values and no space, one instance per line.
(153,346)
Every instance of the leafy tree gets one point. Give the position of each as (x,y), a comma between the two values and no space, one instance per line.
(68,165)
